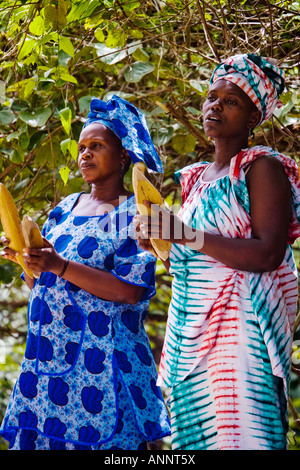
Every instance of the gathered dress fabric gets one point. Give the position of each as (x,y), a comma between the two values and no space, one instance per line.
(88,377)
(227,350)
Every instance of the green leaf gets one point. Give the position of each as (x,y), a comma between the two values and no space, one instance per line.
(70,145)
(99,35)
(37,26)
(23,87)
(26,48)
(56,16)
(66,45)
(6,117)
(66,119)
(37,118)
(62,10)
(136,71)
(49,13)
(26,88)
(162,135)
(113,56)
(184,143)
(24,140)
(116,38)
(64,173)
(73,149)
(82,9)
(17,156)
(64,145)
(141,55)
(68,78)
(84,103)
(199,86)
(63,74)
(136,34)
(2,92)
(12,136)
(130,6)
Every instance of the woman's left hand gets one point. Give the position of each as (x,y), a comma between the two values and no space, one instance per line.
(43,259)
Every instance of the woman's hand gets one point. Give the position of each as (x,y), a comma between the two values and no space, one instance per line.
(43,259)
(8,253)
(162,224)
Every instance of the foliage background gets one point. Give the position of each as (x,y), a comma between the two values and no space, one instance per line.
(56,54)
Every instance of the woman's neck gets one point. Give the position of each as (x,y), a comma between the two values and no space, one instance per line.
(225,151)
(98,202)
(107,191)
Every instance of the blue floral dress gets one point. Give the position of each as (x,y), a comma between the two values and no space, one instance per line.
(88,377)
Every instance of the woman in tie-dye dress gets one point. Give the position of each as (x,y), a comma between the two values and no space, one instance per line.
(226,356)
(88,377)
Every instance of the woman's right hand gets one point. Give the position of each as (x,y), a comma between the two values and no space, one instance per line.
(143,242)
(8,253)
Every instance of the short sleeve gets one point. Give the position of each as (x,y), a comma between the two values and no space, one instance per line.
(133,265)
(60,213)
(188,176)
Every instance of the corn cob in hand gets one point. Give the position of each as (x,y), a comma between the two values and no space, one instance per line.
(32,235)
(145,191)
(13,228)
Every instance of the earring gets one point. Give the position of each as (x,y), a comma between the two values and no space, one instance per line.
(251,137)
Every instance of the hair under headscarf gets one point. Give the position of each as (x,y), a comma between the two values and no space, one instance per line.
(129,124)
(259,77)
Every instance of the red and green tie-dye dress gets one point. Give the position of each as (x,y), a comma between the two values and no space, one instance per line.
(229,334)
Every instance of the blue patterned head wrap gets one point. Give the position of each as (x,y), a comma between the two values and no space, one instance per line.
(257,76)
(129,124)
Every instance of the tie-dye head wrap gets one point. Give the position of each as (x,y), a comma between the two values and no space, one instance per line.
(258,77)
(129,124)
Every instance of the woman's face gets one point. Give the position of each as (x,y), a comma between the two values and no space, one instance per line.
(228,112)
(99,153)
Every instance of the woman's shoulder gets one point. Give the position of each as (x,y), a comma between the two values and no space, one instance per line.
(265,157)
(65,205)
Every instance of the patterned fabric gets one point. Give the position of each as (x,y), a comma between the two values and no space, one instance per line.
(237,325)
(26,439)
(78,344)
(257,76)
(197,426)
(130,125)
(127,434)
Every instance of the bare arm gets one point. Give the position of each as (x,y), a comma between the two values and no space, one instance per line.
(102,284)
(270,201)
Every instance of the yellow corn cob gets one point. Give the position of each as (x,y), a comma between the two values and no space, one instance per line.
(32,235)
(144,190)
(12,226)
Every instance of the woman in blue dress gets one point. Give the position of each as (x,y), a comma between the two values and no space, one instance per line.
(88,377)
